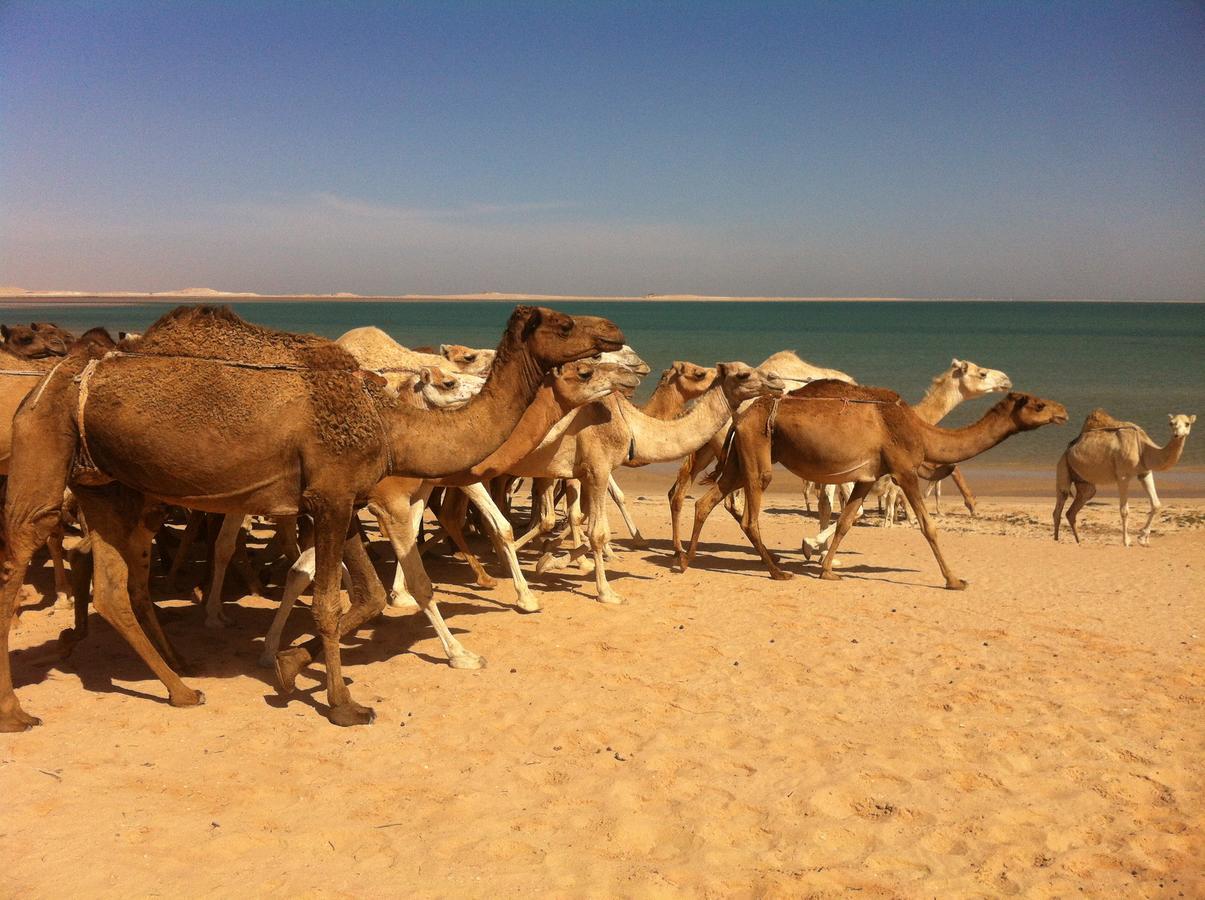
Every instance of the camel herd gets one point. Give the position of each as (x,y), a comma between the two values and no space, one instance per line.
(307,433)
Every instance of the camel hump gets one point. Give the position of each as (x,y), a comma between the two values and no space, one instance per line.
(832,387)
(1099,420)
(217,332)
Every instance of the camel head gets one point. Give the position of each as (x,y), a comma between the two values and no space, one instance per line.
(576,384)
(741,382)
(625,356)
(553,338)
(442,389)
(692,380)
(1029,412)
(1181,424)
(37,341)
(95,342)
(974,380)
(467,359)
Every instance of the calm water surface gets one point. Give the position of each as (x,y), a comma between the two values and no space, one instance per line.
(1140,361)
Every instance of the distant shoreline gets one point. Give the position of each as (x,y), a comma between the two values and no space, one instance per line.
(122,298)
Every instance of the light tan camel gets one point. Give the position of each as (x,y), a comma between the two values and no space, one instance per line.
(377,351)
(604,435)
(837,432)
(394,502)
(1108,450)
(790,368)
(281,424)
(468,360)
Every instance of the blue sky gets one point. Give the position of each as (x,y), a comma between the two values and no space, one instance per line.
(814,149)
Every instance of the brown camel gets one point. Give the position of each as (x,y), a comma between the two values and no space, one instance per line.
(38,340)
(837,432)
(246,418)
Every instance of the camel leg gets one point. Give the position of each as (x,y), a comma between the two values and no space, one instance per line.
(191,529)
(139,560)
(452,516)
(503,538)
(543,511)
(1060,500)
(936,487)
(121,552)
(807,495)
(241,560)
(1123,502)
(729,481)
(577,522)
(300,576)
(638,540)
(849,512)
(824,506)
(908,483)
(599,530)
(331,529)
(1084,491)
(1147,480)
(755,486)
(223,549)
(968,496)
(690,470)
(62,587)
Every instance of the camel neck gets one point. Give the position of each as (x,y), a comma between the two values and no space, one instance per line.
(666,403)
(943,395)
(657,440)
(438,443)
(953,445)
(1157,459)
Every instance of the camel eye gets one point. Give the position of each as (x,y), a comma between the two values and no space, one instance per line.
(744,376)
(584,374)
(566,328)
(469,357)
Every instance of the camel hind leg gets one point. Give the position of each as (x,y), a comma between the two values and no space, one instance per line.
(638,539)
(849,512)
(1123,502)
(121,552)
(909,485)
(1084,491)
(223,550)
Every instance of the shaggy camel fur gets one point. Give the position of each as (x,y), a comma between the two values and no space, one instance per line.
(837,432)
(605,435)
(310,435)
(787,365)
(1108,450)
(394,503)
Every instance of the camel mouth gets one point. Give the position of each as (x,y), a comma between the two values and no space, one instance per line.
(1059,419)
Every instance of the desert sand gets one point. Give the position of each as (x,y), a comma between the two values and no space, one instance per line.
(721,734)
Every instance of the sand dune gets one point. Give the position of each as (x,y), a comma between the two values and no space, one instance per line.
(720,734)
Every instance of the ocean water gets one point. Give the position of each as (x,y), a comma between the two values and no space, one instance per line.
(1140,361)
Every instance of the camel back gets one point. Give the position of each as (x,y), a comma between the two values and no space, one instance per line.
(1099,420)
(346,407)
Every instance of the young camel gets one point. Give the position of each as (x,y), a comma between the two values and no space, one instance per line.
(838,432)
(1109,450)
(217,414)
(393,501)
(605,435)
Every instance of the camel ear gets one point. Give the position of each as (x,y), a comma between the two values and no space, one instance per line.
(960,364)
(425,375)
(721,370)
(443,350)
(1192,419)
(678,366)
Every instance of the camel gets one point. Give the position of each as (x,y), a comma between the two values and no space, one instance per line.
(393,501)
(606,434)
(429,388)
(246,418)
(789,367)
(832,431)
(377,351)
(1108,450)
(467,359)
(37,341)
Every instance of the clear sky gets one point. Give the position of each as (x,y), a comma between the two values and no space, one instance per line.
(819,149)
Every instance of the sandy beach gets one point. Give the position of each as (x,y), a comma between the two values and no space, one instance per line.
(721,734)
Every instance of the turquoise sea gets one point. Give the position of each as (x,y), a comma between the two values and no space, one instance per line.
(1140,361)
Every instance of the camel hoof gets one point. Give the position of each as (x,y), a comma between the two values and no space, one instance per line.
(467,660)
(639,543)
(781,575)
(527,603)
(611,598)
(187,698)
(551,562)
(585,565)
(826,575)
(956,584)
(486,581)
(17,721)
(63,601)
(351,714)
(288,664)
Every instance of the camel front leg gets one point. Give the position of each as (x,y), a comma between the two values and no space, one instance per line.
(968,496)
(730,480)
(1148,483)
(599,529)
(223,549)
(755,486)
(638,541)
(690,469)
(451,516)
(849,512)
(300,576)
(503,538)
(1123,503)
(196,520)
(908,483)
(543,512)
